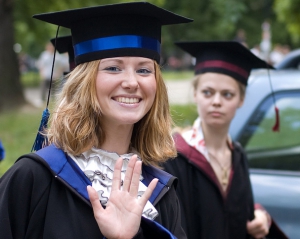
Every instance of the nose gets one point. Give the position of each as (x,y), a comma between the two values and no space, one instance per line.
(130,80)
(216,100)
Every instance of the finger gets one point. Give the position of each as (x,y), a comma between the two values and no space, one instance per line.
(129,171)
(134,185)
(147,194)
(94,199)
(116,182)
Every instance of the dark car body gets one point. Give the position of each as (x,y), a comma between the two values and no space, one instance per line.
(274,157)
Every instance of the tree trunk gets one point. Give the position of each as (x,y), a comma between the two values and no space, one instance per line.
(11,92)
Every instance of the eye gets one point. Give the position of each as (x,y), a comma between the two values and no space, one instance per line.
(207,93)
(228,95)
(144,71)
(112,69)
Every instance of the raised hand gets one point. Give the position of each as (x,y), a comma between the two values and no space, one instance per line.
(122,216)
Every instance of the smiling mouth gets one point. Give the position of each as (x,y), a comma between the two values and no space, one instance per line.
(126,100)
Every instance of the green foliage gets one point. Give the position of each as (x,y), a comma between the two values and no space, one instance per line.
(213,20)
(288,12)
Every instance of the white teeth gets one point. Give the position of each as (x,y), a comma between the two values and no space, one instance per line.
(127,100)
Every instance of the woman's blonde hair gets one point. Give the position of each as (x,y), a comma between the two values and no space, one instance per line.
(75,124)
(242,87)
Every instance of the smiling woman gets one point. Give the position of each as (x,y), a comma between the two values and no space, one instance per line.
(111,127)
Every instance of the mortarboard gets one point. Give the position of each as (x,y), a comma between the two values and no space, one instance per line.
(125,29)
(64,44)
(225,57)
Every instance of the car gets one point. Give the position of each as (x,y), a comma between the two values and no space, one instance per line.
(274,157)
(290,61)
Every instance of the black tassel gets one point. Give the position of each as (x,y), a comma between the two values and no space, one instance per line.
(41,140)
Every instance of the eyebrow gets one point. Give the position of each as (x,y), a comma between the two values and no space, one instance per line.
(211,88)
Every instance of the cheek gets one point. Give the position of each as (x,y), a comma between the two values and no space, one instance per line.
(232,107)
(150,88)
(201,104)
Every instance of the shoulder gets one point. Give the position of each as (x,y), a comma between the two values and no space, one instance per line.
(26,175)
(238,148)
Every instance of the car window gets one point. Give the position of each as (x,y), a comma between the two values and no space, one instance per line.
(274,150)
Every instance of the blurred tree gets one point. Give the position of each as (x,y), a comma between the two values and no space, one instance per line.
(11,94)
(287,12)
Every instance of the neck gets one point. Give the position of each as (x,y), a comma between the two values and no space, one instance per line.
(117,140)
(215,138)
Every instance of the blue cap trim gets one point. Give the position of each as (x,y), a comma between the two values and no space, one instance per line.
(116,42)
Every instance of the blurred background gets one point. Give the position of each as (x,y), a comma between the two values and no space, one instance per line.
(270,28)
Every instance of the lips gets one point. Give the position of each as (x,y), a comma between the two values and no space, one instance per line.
(215,113)
(127,100)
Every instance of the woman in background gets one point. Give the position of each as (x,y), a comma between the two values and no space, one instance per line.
(214,188)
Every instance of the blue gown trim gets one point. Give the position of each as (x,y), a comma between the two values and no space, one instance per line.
(116,42)
(65,168)
(149,173)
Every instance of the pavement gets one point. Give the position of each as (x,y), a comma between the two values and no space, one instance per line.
(179,91)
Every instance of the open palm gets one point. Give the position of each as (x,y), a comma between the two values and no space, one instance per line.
(122,216)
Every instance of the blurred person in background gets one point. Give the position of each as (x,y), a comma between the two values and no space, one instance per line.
(214,187)
(44,65)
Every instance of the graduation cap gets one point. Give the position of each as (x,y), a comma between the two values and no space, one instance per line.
(125,29)
(225,57)
(229,58)
(64,44)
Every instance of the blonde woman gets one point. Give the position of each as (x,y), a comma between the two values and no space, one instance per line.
(214,188)
(109,130)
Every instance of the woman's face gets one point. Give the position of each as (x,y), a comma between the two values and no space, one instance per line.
(217,97)
(126,88)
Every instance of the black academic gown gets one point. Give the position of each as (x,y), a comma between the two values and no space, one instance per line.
(208,213)
(43,195)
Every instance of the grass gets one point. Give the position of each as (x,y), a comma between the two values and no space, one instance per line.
(177,75)
(30,79)
(183,115)
(18,131)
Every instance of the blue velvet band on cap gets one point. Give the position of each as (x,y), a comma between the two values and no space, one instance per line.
(117,42)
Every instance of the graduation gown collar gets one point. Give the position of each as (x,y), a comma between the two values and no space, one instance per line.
(65,168)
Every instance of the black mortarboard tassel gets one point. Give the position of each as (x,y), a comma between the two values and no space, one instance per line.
(125,29)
